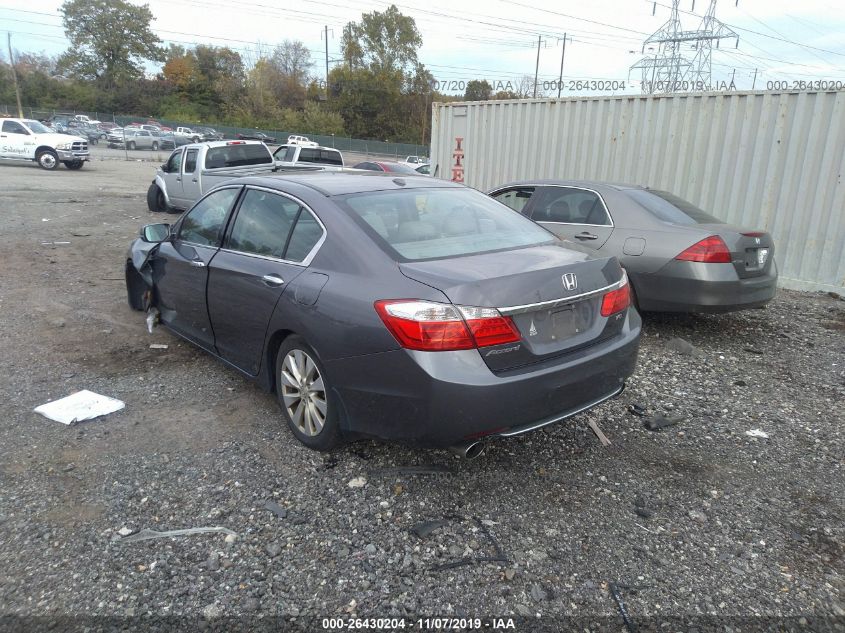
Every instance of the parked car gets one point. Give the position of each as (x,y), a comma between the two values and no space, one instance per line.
(194,169)
(256,136)
(416,160)
(424,169)
(399,168)
(295,139)
(678,257)
(134,138)
(405,309)
(27,139)
(291,155)
(208,134)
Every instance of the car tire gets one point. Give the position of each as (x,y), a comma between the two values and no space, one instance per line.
(155,199)
(130,145)
(74,164)
(308,405)
(136,288)
(155,146)
(47,159)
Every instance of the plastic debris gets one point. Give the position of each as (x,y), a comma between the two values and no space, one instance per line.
(637,410)
(79,406)
(152,319)
(602,437)
(623,611)
(275,508)
(357,482)
(424,528)
(158,346)
(146,535)
(659,422)
(757,433)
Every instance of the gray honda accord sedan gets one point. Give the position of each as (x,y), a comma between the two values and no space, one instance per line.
(401,308)
(679,258)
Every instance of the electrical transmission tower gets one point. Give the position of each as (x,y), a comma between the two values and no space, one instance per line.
(710,30)
(668,69)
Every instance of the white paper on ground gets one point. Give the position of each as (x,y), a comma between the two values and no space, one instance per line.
(79,406)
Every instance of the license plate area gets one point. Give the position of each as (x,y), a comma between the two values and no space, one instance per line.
(556,327)
(756,258)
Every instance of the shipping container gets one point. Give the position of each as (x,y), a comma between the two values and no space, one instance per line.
(773,161)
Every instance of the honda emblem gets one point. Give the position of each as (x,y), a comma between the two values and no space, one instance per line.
(570,281)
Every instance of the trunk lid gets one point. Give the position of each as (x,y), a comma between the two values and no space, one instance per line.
(552,293)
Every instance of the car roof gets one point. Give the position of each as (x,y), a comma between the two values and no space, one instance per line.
(336,183)
(585,184)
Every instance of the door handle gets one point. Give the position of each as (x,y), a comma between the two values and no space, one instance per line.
(178,178)
(197,262)
(193,180)
(586,236)
(273,280)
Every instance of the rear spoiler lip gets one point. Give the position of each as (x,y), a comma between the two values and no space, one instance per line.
(554,303)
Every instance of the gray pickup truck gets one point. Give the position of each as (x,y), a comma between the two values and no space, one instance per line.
(194,169)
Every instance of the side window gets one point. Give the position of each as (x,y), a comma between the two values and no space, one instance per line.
(308,155)
(516,199)
(13,127)
(570,206)
(263,224)
(305,236)
(191,161)
(174,163)
(205,222)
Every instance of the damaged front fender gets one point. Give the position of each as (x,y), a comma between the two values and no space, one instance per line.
(139,254)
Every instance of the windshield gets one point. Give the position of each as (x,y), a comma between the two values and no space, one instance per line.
(419,224)
(36,127)
(399,168)
(670,208)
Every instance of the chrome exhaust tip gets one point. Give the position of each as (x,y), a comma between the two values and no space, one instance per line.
(468,450)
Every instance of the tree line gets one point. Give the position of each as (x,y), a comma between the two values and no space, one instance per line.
(380,90)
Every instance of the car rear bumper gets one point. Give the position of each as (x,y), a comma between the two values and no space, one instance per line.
(440,399)
(696,287)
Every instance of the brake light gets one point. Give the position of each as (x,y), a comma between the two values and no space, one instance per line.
(710,250)
(616,300)
(754,234)
(440,327)
(235,142)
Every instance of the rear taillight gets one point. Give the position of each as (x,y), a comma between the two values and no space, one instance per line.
(710,250)
(440,327)
(616,300)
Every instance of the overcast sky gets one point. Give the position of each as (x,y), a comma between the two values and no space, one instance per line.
(496,40)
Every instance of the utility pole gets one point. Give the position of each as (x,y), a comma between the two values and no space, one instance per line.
(537,67)
(326,35)
(560,79)
(15,76)
(754,81)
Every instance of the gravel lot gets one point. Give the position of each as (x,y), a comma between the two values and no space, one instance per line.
(702,526)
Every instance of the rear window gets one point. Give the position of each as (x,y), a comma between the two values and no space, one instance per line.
(321,156)
(670,208)
(420,224)
(237,156)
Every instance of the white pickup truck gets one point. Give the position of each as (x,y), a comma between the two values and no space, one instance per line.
(25,139)
(328,158)
(187,132)
(194,169)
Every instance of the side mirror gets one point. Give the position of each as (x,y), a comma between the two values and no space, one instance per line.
(155,233)
(164,168)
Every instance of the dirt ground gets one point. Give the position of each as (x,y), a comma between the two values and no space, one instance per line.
(700,526)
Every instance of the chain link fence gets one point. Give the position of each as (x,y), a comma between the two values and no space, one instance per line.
(376,148)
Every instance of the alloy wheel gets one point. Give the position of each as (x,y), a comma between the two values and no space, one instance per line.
(303,392)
